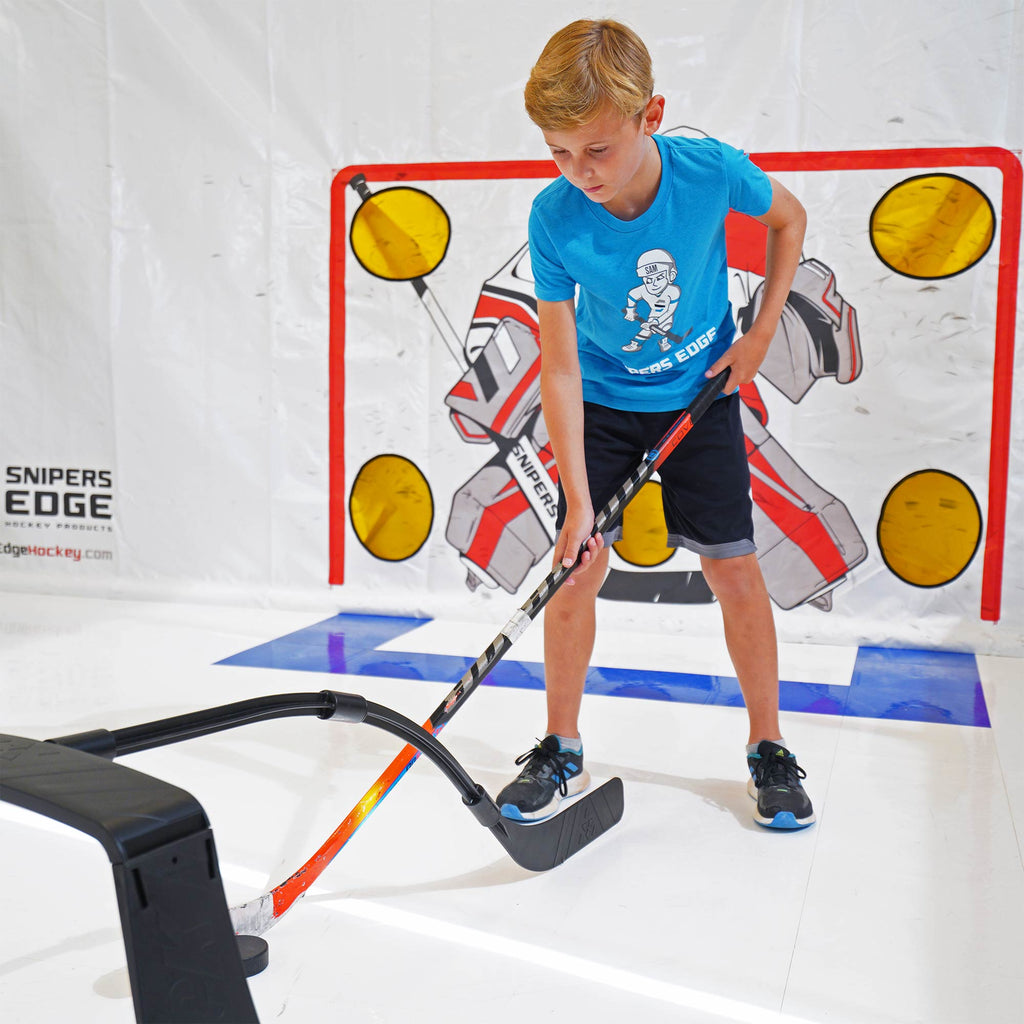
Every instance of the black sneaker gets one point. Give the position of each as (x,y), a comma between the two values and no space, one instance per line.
(551,774)
(775,785)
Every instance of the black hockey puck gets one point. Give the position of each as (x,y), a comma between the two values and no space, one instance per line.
(255,954)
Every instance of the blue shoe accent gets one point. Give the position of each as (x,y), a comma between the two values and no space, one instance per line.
(785,820)
(513,813)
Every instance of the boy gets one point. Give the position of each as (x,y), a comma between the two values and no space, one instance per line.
(636,224)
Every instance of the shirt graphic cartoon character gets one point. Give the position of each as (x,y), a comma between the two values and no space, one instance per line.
(657,270)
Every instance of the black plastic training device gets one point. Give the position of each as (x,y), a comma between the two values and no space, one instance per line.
(183,958)
(185,963)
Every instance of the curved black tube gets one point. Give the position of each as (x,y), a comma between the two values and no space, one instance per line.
(537,846)
(130,740)
(324,704)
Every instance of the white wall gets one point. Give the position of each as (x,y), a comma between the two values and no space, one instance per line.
(165,211)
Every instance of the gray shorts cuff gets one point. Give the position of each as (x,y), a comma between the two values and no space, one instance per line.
(612,536)
(734,549)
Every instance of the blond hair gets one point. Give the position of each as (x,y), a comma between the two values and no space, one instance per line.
(585,66)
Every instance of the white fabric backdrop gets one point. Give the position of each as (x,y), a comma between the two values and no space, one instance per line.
(165,209)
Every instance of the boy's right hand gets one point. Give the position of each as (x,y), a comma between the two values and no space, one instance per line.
(574,534)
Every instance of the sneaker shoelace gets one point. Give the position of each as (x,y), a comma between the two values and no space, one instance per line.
(543,762)
(778,771)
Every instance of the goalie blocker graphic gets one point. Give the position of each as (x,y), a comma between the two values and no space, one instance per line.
(817,334)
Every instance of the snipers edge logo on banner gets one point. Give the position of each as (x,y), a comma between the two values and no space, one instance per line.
(44,497)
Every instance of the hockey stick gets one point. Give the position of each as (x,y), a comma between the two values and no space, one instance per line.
(256,916)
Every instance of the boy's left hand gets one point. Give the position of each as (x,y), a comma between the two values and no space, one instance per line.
(786,221)
(742,358)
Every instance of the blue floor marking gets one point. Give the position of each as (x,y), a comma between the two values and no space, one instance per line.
(909,685)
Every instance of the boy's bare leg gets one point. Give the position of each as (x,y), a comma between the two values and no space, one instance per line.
(570,626)
(570,619)
(738,585)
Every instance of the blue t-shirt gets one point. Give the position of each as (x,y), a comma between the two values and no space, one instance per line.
(653,309)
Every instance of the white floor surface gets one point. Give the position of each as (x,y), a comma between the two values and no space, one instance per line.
(904,903)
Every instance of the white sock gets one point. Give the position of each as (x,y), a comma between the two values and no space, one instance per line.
(567,745)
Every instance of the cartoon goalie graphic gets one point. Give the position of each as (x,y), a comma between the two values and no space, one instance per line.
(502,518)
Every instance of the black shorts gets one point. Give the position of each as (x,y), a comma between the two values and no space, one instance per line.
(705,482)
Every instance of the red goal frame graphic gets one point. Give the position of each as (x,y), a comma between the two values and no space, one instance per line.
(895,159)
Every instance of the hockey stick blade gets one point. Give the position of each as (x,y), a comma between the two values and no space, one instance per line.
(543,845)
(538,846)
(256,916)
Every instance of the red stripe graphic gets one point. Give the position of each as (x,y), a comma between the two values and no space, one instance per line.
(490,308)
(513,400)
(492,523)
(797,522)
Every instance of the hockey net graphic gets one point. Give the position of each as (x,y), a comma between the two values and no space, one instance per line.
(501,522)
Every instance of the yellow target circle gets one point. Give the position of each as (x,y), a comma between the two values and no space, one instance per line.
(644,533)
(400,233)
(932,226)
(391,507)
(929,529)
